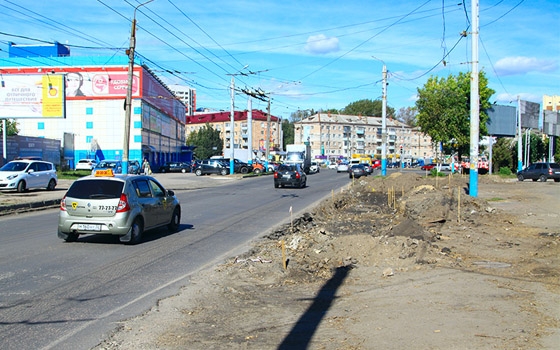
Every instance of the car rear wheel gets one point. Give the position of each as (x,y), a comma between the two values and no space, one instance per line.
(223,171)
(51,185)
(542,178)
(198,172)
(183,170)
(21,186)
(244,170)
(136,231)
(175,220)
(520,177)
(257,171)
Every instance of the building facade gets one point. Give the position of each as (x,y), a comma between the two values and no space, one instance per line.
(187,95)
(339,136)
(93,103)
(250,129)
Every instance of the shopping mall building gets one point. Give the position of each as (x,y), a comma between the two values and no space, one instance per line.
(81,101)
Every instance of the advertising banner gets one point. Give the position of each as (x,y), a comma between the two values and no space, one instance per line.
(32,96)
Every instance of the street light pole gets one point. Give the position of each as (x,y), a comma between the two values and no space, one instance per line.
(384,125)
(128,103)
(232,129)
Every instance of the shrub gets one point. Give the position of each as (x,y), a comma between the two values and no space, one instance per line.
(505,171)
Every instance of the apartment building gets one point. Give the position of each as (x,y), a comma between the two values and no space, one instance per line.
(339,136)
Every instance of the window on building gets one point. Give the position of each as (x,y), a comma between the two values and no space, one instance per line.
(89,125)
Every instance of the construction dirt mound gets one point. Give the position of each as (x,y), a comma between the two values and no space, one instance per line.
(396,262)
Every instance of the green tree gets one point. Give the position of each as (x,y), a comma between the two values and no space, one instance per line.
(207,141)
(288,131)
(407,115)
(444,109)
(11,127)
(503,154)
(537,149)
(300,115)
(367,108)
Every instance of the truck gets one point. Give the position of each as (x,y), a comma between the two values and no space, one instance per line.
(299,153)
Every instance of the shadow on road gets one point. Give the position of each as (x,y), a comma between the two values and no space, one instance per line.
(304,329)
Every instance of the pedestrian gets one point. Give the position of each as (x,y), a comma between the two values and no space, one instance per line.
(146,167)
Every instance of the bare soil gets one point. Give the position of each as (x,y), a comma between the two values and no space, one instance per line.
(405,261)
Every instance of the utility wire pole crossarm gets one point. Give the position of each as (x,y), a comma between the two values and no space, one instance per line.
(128,102)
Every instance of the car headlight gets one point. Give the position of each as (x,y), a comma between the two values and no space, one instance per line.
(11,177)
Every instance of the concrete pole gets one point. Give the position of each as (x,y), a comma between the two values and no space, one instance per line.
(384,124)
(519,137)
(232,128)
(475,106)
(250,128)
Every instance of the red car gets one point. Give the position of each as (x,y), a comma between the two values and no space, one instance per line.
(428,166)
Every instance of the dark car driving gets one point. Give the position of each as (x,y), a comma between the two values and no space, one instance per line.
(175,167)
(540,171)
(357,170)
(290,175)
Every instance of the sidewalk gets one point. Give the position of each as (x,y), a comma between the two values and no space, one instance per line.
(14,202)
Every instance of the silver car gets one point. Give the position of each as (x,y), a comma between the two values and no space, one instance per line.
(120,205)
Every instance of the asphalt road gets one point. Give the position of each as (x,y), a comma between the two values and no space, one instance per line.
(57,295)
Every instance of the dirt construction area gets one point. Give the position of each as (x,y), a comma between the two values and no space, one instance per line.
(401,262)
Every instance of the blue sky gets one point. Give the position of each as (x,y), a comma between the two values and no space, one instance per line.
(307,54)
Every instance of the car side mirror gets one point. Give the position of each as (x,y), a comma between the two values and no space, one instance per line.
(170,193)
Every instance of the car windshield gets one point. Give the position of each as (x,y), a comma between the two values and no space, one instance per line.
(107,165)
(95,189)
(14,166)
(286,168)
(555,165)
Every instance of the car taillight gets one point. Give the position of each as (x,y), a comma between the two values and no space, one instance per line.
(63,204)
(123,204)
(275,174)
(550,171)
(298,175)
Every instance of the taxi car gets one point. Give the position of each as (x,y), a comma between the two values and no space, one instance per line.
(120,205)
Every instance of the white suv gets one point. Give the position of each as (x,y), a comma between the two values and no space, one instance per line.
(22,175)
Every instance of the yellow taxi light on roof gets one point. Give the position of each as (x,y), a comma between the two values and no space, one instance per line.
(104,173)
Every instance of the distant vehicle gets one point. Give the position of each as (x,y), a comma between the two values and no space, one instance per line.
(428,167)
(211,166)
(86,164)
(134,167)
(290,175)
(342,167)
(119,205)
(541,172)
(114,165)
(445,167)
(175,167)
(357,170)
(333,165)
(239,166)
(314,168)
(25,174)
(299,154)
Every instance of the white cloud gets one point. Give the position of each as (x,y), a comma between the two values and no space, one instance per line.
(320,44)
(519,65)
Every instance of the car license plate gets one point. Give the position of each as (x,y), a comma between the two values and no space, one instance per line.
(89,227)
(286,176)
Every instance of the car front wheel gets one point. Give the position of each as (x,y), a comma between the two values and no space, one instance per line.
(520,177)
(542,178)
(175,220)
(223,171)
(257,171)
(198,172)
(21,186)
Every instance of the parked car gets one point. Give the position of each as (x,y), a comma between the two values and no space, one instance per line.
(134,167)
(25,174)
(314,168)
(540,171)
(176,167)
(428,167)
(342,167)
(357,170)
(119,205)
(211,166)
(369,169)
(114,165)
(239,166)
(290,175)
(86,164)
(445,167)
